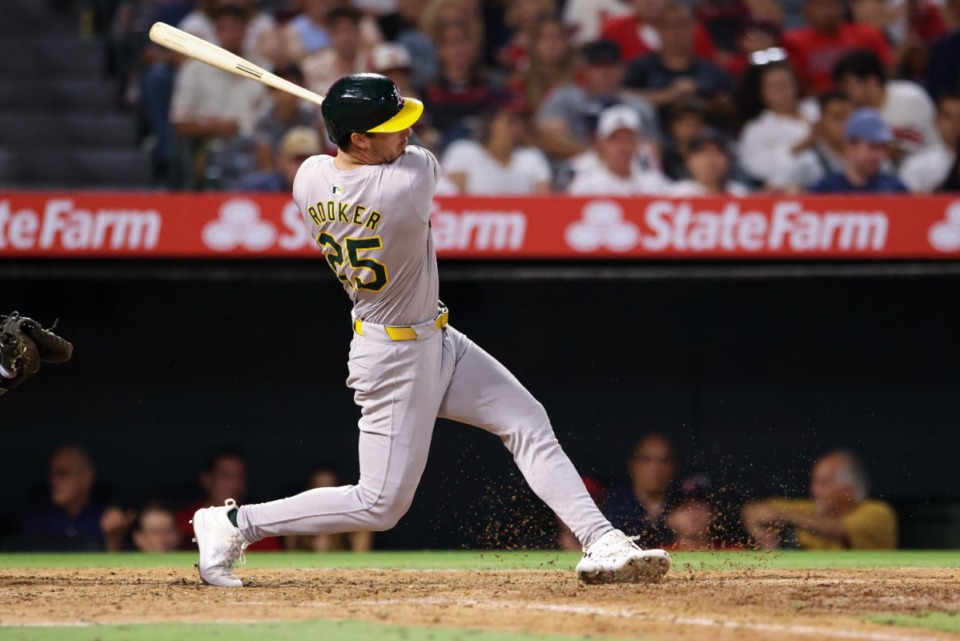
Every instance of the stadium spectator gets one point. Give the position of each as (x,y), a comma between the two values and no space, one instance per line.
(775,122)
(156,68)
(684,120)
(328,476)
(261,37)
(213,111)
(692,519)
(567,117)
(904,105)
(71,521)
(723,20)
(499,162)
(615,168)
(280,113)
(639,33)
(839,516)
(344,56)
(866,137)
(155,529)
(223,476)
(822,153)
(709,163)
(909,25)
(758,42)
(585,18)
(307,32)
(643,505)
(814,49)
(943,66)
(549,63)
(298,144)
(924,171)
(463,90)
(403,28)
(522,19)
(675,73)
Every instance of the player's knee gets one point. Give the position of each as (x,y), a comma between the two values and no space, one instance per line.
(387,512)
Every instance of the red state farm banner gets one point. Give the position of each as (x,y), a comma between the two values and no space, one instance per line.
(156,225)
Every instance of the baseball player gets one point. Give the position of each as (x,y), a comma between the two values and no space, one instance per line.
(369,210)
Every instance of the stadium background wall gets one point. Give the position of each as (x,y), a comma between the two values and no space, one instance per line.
(752,372)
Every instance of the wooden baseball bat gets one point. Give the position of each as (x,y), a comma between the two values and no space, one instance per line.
(199,49)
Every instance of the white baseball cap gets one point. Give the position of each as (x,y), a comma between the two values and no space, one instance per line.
(617,117)
(389,55)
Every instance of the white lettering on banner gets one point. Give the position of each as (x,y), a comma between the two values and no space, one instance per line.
(64,225)
(945,234)
(238,225)
(479,230)
(679,226)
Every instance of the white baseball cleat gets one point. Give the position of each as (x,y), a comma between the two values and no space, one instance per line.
(615,558)
(221,545)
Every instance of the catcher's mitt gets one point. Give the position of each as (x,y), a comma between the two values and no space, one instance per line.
(24,344)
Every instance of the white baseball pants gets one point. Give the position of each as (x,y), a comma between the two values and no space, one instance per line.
(401,388)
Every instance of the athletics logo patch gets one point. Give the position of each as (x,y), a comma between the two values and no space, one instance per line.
(337,191)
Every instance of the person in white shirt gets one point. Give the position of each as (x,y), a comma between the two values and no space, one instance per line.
(613,168)
(904,105)
(924,171)
(709,163)
(767,142)
(498,163)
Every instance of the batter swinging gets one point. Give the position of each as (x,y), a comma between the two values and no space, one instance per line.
(369,210)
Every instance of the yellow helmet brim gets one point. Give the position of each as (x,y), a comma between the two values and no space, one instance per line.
(406,117)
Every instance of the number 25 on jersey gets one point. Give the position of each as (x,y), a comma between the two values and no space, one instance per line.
(335,255)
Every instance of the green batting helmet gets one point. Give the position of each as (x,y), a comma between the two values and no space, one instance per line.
(368,103)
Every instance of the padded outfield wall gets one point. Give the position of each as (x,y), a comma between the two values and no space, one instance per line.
(752,367)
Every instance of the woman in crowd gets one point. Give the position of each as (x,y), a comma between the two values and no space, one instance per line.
(776,122)
(549,62)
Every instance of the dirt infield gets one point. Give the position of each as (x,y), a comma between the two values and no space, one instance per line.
(733,604)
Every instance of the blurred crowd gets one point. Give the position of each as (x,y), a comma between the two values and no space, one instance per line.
(612,97)
(661,508)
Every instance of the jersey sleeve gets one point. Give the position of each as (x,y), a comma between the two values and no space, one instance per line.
(422,173)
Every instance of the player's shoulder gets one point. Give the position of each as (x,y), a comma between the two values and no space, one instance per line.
(417,156)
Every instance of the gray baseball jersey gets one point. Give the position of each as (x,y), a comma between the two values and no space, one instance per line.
(373,226)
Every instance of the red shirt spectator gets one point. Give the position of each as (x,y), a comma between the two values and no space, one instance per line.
(634,37)
(814,49)
(814,54)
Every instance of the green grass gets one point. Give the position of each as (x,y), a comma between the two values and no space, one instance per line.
(286,631)
(942,621)
(493,560)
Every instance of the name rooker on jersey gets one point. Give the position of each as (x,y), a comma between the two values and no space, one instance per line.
(63,224)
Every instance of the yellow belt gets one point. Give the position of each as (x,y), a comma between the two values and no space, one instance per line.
(405,333)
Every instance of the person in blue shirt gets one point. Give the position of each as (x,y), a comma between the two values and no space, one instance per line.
(71,519)
(865,153)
